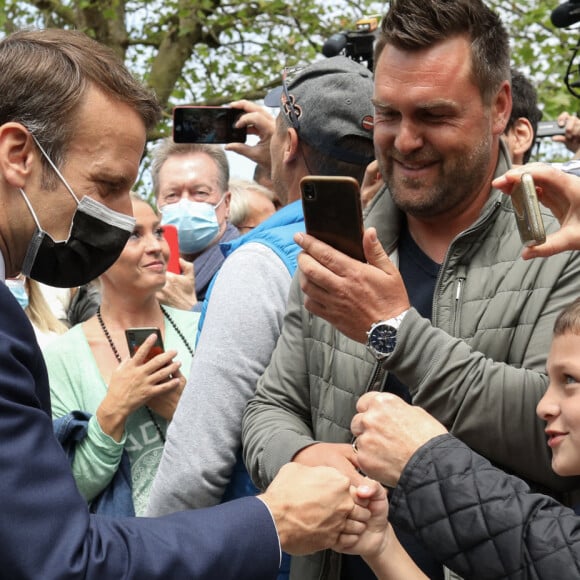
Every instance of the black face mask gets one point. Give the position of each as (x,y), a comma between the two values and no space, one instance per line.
(97,237)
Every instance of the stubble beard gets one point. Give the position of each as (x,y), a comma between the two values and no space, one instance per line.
(457,181)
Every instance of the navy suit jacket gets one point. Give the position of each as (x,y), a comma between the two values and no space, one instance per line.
(46,530)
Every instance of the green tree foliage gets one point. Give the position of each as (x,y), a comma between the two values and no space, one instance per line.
(214,51)
(542,51)
(197,51)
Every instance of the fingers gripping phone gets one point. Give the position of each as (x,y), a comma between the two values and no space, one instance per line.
(333,212)
(137,336)
(527,211)
(194,124)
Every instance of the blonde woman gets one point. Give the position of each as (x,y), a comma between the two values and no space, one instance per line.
(130,401)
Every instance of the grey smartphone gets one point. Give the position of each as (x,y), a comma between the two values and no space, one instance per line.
(527,211)
(136,337)
(206,124)
(333,212)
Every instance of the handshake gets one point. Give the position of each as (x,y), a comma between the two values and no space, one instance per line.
(316,508)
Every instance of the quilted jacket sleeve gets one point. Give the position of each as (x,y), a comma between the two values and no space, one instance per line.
(481,522)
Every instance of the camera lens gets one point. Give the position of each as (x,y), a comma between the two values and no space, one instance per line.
(309,192)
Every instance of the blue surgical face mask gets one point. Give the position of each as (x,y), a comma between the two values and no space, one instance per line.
(16,286)
(96,238)
(196,222)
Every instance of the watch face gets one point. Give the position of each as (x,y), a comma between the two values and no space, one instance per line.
(383,338)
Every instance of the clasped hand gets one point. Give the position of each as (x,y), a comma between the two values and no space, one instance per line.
(365,528)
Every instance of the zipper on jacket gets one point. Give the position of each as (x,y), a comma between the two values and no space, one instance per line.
(457,308)
(378,378)
(477,226)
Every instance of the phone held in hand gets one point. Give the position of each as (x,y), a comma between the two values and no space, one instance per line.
(170,235)
(527,211)
(333,212)
(137,336)
(198,124)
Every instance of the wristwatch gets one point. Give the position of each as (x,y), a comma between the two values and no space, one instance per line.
(382,337)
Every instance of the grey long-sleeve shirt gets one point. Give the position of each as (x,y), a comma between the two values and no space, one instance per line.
(242,325)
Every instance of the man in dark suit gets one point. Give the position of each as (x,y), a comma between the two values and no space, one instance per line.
(73,126)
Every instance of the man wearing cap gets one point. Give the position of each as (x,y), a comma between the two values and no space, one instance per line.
(453,317)
(330,134)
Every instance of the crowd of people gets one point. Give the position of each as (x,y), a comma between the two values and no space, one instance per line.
(292,412)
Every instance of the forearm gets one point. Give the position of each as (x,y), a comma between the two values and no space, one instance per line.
(276,425)
(472,394)
(96,460)
(281,437)
(490,515)
(111,419)
(393,562)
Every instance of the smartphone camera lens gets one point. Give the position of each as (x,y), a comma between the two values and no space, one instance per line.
(309,193)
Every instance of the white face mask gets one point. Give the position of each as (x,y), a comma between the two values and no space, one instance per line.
(96,238)
(196,222)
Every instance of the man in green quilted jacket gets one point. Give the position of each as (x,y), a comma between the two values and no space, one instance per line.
(445,312)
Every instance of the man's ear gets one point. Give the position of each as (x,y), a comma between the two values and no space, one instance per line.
(519,139)
(227,202)
(16,154)
(501,108)
(291,145)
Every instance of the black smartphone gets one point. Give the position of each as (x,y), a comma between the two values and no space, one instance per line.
(197,124)
(333,212)
(549,129)
(136,337)
(527,211)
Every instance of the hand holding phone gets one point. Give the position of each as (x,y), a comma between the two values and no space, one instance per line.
(333,212)
(527,211)
(549,129)
(137,336)
(196,124)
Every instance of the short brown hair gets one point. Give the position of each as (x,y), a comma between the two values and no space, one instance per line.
(168,148)
(45,74)
(417,24)
(568,321)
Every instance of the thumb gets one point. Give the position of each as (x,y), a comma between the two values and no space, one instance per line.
(374,252)
(555,243)
(186,267)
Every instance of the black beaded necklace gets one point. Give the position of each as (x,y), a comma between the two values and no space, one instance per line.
(119,359)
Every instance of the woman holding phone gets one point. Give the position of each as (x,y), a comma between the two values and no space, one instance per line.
(112,409)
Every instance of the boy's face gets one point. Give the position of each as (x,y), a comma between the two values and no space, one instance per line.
(560,406)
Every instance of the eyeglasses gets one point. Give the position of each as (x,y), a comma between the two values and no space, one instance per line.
(291,109)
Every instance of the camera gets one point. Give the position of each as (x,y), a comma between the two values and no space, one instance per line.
(356,44)
(309,191)
(549,129)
